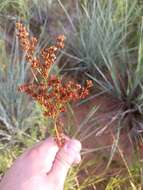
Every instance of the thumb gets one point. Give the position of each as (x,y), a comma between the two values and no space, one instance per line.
(64,159)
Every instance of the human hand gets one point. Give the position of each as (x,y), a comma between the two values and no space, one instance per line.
(42,167)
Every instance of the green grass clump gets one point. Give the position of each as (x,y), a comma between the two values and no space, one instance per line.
(106,46)
(99,36)
(14,115)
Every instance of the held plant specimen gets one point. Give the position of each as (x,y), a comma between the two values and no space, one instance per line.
(49,90)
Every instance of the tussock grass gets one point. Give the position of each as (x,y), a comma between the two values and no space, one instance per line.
(106,46)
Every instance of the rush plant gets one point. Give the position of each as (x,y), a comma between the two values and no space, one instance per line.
(14,119)
(50,91)
(107,47)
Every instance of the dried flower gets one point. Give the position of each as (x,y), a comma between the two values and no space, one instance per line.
(50,91)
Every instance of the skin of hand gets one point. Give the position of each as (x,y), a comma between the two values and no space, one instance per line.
(42,167)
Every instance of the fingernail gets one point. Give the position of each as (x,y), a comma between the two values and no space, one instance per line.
(77,159)
(73,145)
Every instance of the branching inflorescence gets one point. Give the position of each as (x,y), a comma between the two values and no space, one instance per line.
(49,90)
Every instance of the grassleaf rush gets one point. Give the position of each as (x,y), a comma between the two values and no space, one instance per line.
(50,91)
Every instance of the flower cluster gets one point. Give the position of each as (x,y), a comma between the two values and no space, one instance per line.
(50,91)
(54,95)
(47,56)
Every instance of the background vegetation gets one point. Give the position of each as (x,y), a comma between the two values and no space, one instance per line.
(104,43)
